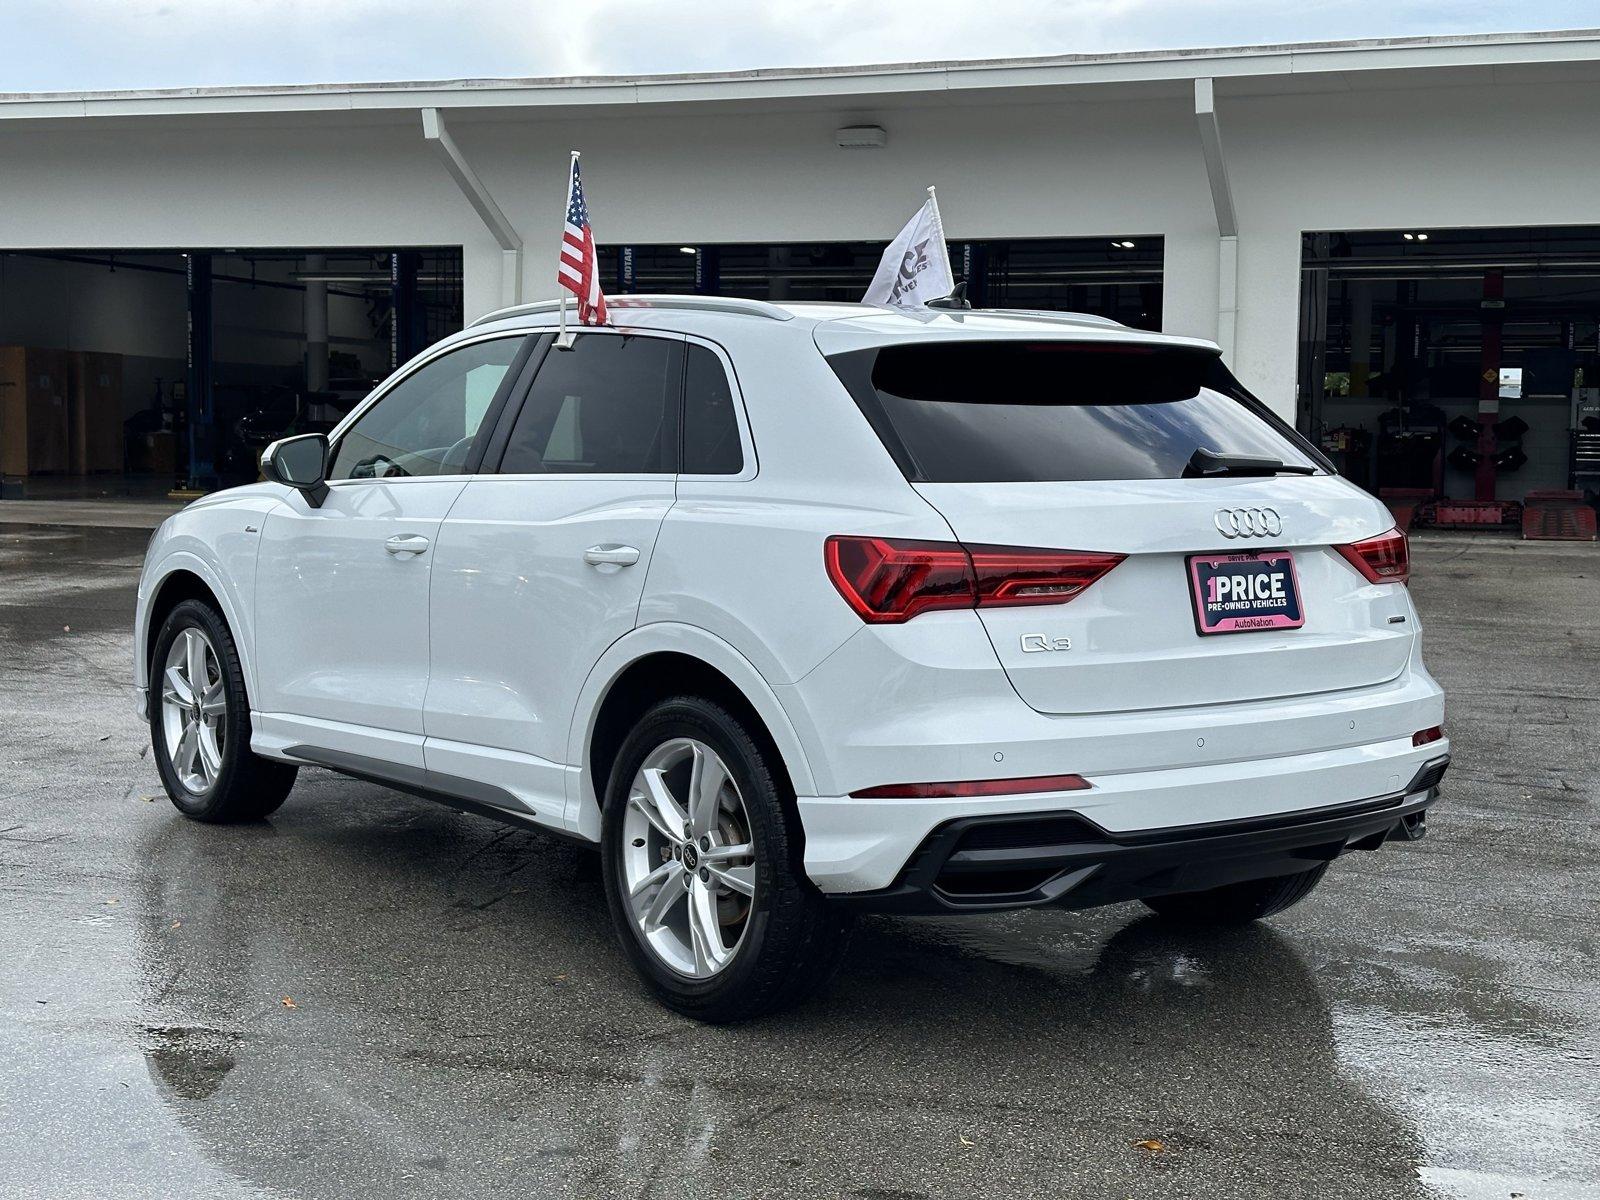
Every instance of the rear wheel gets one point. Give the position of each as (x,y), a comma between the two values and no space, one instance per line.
(702,868)
(1238,903)
(200,723)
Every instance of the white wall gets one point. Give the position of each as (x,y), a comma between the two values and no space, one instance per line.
(1070,169)
(1366,152)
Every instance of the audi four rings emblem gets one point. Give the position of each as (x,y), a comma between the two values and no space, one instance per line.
(1248,522)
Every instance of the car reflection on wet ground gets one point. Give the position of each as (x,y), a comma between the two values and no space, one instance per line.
(372,996)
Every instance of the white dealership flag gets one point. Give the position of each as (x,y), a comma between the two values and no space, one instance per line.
(916,266)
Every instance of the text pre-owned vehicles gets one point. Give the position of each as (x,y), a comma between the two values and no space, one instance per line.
(804,610)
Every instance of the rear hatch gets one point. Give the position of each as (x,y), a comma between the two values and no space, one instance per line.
(1091,446)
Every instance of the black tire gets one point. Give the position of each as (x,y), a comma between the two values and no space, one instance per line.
(246,787)
(1238,903)
(793,939)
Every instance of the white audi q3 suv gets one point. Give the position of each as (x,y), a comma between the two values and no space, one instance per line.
(803,610)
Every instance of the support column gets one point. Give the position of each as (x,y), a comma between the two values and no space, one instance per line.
(975,271)
(1315,351)
(202,472)
(510,278)
(1227,295)
(707,271)
(1493,316)
(1269,316)
(316,325)
(483,267)
(405,333)
(1189,288)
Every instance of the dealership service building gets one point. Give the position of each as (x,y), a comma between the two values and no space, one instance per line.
(1383,237)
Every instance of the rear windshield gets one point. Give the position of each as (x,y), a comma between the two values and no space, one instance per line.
(1021,412)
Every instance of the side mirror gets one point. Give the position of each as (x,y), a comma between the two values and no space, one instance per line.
(301,463)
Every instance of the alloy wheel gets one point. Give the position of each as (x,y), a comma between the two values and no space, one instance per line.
(688,863)
(194,708)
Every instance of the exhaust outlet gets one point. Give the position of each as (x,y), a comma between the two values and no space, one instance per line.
(1410,829)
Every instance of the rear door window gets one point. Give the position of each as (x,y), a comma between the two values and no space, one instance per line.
(608,406)
(1018,412)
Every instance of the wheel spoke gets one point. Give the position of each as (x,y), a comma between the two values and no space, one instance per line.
(669,813)
(641,802)
(210,753)
(705,931)
(738,879)
(671,893)
(188,746)
(178,687)
(214,703)
(706,777)
(659,875)
(195,654)
(722,854)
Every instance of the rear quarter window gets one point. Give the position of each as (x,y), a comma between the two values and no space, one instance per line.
(1025,411)
(710,425)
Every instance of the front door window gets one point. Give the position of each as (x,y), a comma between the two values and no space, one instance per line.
(426,424)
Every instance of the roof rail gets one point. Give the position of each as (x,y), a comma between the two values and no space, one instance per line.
(717,304)
(1053,316)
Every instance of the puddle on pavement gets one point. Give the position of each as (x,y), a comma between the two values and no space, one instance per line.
(1499,1112)
(190,1063)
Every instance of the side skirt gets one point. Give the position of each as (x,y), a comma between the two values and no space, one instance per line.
(464,795)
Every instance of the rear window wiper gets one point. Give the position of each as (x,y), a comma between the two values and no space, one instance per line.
(1206,464)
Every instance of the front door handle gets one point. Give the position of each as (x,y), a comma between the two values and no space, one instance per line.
(611,554)
(406,543)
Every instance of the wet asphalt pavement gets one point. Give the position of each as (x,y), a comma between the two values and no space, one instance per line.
(372,996)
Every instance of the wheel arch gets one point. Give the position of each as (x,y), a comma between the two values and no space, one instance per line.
(653,662)
(186,576)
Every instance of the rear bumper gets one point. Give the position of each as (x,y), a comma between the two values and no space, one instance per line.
(1021,860)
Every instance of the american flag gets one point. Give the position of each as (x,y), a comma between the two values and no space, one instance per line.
(579,271)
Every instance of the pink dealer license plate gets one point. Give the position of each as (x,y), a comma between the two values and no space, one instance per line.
(1240,593)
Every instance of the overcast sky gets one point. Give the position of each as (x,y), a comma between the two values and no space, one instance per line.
(72,45)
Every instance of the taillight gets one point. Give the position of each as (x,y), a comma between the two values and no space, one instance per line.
(1382,559)
(974,787)
(890,580)
(1008,576)
(1424,737)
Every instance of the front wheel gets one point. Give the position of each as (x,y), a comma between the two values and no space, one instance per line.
(1238,903)
(200,723)
(703,871)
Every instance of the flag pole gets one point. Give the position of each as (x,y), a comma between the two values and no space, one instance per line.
(938,218)
(563,338)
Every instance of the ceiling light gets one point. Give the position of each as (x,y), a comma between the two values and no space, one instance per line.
(1410,237)
(686,250)
(860,137)
(1121,245)
(1422,237)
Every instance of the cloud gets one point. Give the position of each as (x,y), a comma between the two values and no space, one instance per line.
(105,44)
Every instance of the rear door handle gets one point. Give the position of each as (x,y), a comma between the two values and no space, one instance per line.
(611,554)
(406,543)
